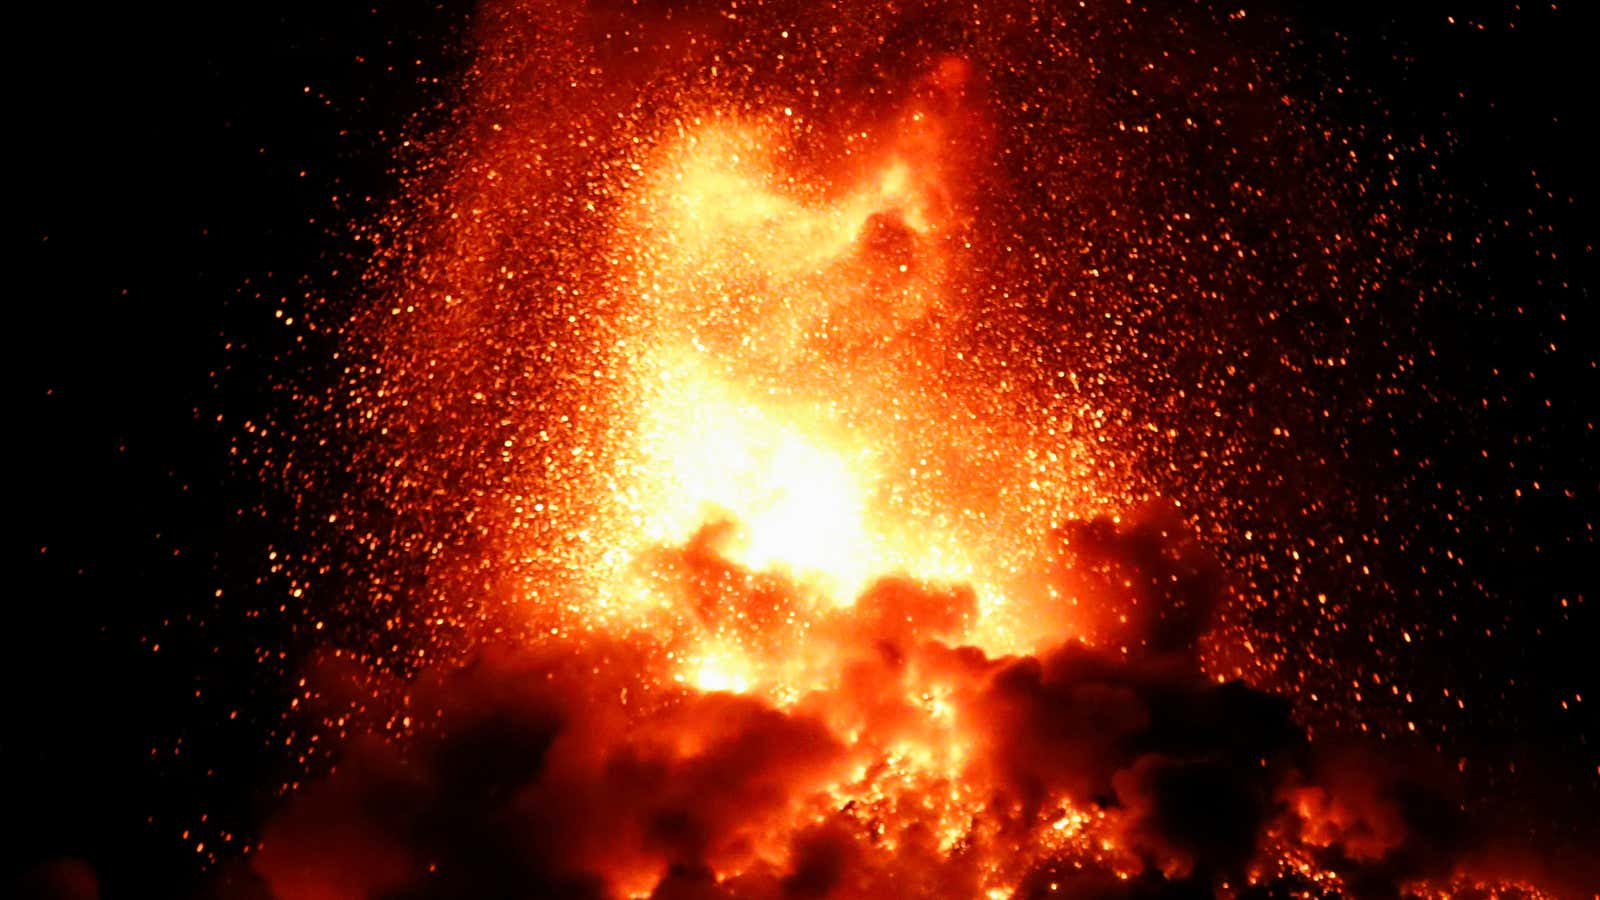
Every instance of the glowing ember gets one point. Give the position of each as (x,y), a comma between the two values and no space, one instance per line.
(751,396)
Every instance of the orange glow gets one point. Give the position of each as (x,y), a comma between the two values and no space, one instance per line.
(776,384)
(797,499)
(805,570)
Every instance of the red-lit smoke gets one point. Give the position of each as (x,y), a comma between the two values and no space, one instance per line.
(741,500)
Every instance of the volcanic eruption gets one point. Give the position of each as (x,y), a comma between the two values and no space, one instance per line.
(833,451)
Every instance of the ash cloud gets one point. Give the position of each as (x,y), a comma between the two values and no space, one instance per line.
(530,784)
(565,773)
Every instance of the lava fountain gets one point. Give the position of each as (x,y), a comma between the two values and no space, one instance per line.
(748,499)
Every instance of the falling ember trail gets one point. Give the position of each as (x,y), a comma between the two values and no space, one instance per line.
(750,395)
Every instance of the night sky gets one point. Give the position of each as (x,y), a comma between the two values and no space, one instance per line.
(186,174)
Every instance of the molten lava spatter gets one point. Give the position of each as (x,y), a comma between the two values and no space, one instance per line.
(785,375)
(750,432)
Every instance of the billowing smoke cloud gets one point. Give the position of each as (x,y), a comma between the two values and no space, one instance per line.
(567,773)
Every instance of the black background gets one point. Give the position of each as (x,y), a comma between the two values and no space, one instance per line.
(175,179)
